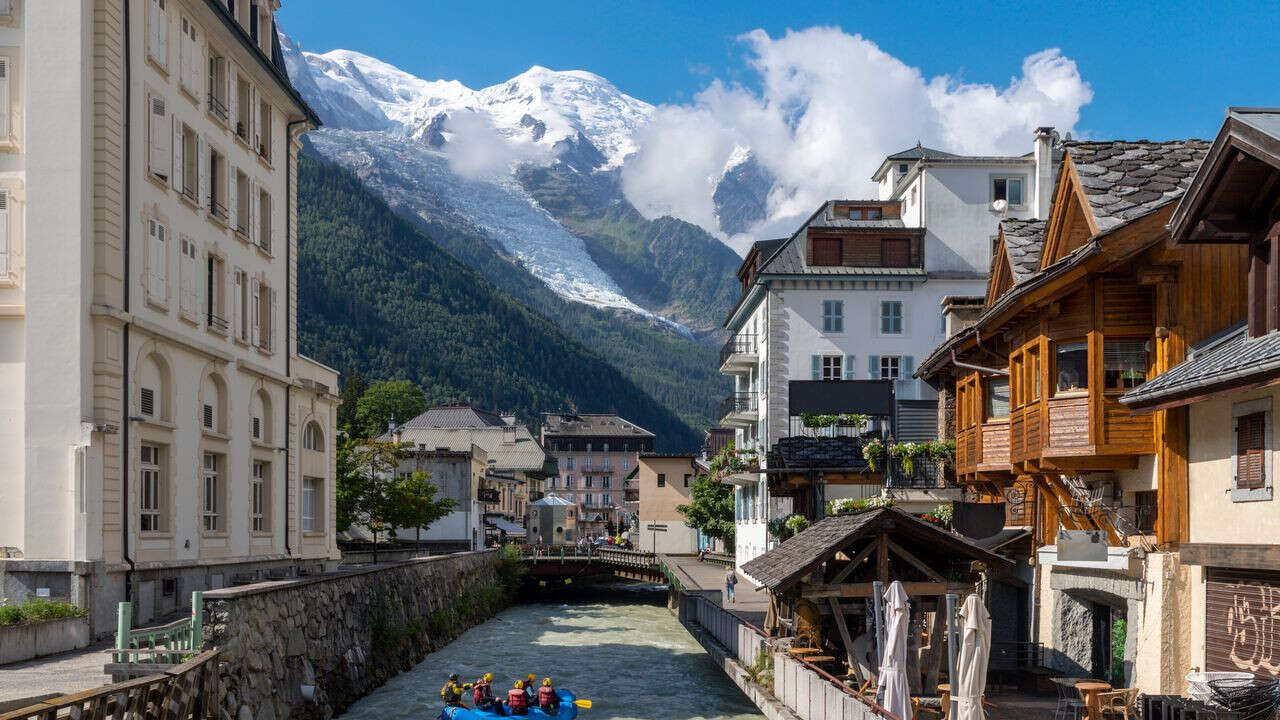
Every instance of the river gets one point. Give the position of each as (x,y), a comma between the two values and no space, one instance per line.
(633,660)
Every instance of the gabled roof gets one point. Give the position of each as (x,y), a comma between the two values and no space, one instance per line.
(520,453)
(920,152)
(1023,242)
(1235,181)
(793,560)
(1124,180)
(588,425)
(1231,359)
(460,415)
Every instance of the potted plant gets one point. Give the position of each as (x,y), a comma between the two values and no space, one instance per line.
(873,452)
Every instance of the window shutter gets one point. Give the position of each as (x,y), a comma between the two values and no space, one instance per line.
(207,418)
(873,367)
(159,154)
(908,366)
(817,366)
(255,315)
(184,277)
(202,174)
(1251,451)
(233,195)
(162,33)
(849,372)
(148,402)
(254,132)
(233,94)
(179,159)
(4,97)
(154,253)
(237,287)
(5,264)
(6,8)
(184,55)
(271,322)
(253,212)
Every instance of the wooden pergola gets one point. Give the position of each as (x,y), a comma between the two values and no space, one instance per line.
(831,570)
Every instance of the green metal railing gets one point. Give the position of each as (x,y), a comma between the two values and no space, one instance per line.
(169,644)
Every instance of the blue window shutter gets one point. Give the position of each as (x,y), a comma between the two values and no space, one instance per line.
(817,367)
(849,372)
(908,366)
(873,367)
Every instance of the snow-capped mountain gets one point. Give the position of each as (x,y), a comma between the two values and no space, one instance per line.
(433,145)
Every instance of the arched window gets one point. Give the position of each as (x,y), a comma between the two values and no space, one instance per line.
(213,403)
(312,437)
(260,418)
(155,389)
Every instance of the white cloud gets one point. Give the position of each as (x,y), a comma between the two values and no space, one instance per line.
(830,106)
(478,151)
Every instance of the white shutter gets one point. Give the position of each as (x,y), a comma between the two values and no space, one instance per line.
(6,8)
(253,212)
(184,276)
(255,311)
(233,195)
(271,323)
(237,287)
(202,174)
(4,98)
(253,118)
(159,154)
(162,30)
(155,260)
(179,161)
(153,22)
(184,57)
(233,94)
(5,250)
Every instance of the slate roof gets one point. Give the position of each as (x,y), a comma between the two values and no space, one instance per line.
(1023,241)
(1229,358)
(552,499)
(794,559)
(523,454)
(818,452)
(918,152)
(1125,180)
(586,425)
(460,415)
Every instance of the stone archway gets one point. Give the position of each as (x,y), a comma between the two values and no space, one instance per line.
(1079,595)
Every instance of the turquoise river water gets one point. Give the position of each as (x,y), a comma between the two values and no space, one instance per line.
(633,660)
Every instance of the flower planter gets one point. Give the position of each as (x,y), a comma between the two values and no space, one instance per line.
(32,640)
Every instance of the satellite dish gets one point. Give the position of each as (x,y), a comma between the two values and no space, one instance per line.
(1000,205)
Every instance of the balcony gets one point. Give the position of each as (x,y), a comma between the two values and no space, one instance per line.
(925,474)
(740,409)
(739,354)
(983,449)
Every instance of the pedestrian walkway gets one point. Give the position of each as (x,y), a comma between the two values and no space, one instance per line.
(749,605)
(55,675)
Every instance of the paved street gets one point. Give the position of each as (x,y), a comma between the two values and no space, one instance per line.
(749,605)
(65,673)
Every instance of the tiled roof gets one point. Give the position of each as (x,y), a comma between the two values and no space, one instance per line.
(455,416)
(523,454)
(1023,241)
(918,152)
(583,425)
(1228,357)
(552,499)
(797,557)
(799,451)
(1125,180)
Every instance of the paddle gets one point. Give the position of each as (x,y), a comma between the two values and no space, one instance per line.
(585,704)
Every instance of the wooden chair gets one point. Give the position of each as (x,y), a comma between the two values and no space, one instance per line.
(1119,703)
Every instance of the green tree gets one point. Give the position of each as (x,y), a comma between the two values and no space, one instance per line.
(385,401)
(711,499)
(354,385)
(414,503)
(371,486)
(349,485)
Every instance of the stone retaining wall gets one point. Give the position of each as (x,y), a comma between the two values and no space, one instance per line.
(308,648)
(37,639)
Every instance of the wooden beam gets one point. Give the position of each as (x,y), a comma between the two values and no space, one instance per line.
(882,558)
(905,555)
(854,563)
(838,612)
(865,590)
(1248,557)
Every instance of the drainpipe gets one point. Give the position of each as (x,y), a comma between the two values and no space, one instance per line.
(288,339)
(124,334)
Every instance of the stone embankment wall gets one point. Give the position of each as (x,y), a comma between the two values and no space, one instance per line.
(308,648)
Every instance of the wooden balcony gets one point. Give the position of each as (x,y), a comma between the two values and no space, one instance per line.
(983,450)
(1078,431)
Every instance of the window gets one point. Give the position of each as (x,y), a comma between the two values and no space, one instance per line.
(215,300)
(188,291)
(242,107)
(626,462)
(588,482)
(157,32)
(912,202)
(997,398)
(1017,383)
(686,479)
(207,417)
(586,500)
(169,587)
(833,316)
(832,367)
(256,427)
(151,488)
(902,168)
(568,482)
(189,61)
(186,162)
(895,252)
(312,438)
(147,401)
(568,463)
(212,493)
(890,367)
(606,500)
(1073,367)
(312,504)
(259,496)
(891,317)
(868,213)
(241,203)
(826,251)
(1033,372)
(606,481)
(662,479)
(1124,364)
(1008,189)
(157,262)
(218,86)
(159,133)
(264,130)
(1144,511)
(264,220)
(218,185)
(263,312)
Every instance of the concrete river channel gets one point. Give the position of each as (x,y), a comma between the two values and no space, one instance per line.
(627,653)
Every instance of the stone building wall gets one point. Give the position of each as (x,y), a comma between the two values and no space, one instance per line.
(308,648)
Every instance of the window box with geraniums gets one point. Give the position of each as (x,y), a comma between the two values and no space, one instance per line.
(853,420)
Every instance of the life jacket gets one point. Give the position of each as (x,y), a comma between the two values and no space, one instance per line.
(483,692)
(518,701)
(451,693)
(546,696)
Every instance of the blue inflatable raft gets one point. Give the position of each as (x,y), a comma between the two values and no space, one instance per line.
(568,711)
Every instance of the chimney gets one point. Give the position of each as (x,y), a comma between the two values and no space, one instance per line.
(1046,138)
(508,433)
(393,431)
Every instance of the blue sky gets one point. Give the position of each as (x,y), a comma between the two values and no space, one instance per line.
(1157,70)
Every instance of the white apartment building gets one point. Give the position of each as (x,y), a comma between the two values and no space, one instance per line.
(159,432)
(594,454)
(857,293)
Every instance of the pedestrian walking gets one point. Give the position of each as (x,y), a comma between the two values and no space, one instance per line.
(730,580)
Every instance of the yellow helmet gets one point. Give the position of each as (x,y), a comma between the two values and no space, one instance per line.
(546,681)
(519,684)
(532,677)
(488,677)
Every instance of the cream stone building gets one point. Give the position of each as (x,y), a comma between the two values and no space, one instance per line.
(159,432)
(663,483)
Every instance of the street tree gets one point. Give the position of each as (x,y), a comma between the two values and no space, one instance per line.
(415,504)
(710,509)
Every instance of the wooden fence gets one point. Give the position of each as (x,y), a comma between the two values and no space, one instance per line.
(185,692)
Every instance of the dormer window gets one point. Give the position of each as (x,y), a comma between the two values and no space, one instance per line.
(826,251)
(870,213)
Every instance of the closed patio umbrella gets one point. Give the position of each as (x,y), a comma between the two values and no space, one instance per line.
(971,668)
(892,688)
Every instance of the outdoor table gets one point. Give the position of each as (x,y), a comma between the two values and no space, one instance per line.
(1089,691)
(804,651)
(944,696)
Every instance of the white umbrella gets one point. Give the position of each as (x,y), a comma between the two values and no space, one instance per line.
(892,688)
(971,668)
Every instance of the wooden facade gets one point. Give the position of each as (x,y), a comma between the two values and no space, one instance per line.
(1106,312)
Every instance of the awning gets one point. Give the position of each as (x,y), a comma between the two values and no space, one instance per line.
(505,525)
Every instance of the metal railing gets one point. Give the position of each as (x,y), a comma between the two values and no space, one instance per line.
(925,474)
(740,344)
(739,402)
(218,210)
(218,323)
(218,107)
(167,644)
(189,191)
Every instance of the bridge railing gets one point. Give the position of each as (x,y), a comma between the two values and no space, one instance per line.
(164,644)
(185,692)
(610,556)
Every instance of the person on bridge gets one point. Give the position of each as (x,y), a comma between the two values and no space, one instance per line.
(483,693)
(451,693)
(517,700)
(548,700)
